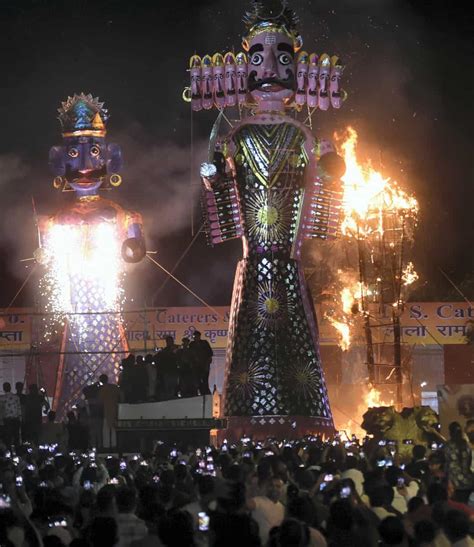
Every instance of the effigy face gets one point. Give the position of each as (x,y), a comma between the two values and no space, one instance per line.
(85,158)
(271,68)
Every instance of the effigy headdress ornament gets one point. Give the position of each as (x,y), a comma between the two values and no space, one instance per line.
(271,16)
(83,116)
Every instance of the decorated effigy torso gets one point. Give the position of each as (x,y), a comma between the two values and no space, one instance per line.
(270,163)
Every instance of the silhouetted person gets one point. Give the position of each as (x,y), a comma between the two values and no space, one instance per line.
(126,379)
(11,415)
(202,355)
(187,377)
(35,402)
(96,413)
(78,435)
(167,363)
(141,379)
(150,367)
(19,391)
(109,395)
(52,432)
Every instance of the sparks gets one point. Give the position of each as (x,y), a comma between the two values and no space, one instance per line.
(84,272)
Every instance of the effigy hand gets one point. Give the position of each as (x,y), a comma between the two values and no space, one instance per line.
(209,175)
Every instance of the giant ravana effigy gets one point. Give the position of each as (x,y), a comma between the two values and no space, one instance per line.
(84,248)
(273,184)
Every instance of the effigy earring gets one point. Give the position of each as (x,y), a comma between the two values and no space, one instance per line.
(58,182)
(115,180)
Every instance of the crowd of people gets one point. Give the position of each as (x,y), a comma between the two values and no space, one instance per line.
(311,492)
(174,371)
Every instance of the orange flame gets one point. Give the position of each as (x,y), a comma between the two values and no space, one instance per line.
(367,194)
(352,426)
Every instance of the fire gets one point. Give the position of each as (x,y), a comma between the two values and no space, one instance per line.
(409,275)
(368,195)
(344,332)
(352,426)
(84,271)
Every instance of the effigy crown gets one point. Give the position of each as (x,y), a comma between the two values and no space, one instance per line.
(83,115)
(271,16)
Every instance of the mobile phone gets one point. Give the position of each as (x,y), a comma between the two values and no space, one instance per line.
(224,448)
(19,481)
(328,478)
(210,467)
(400,482)
(93,465)
(114,480)
(380,463)
(203,522)
(182,462)
(5,501)
(173,453)
(16,460)
(434,446)
(407,441)
(269,453)
(202,464)
(322,486)
(87,485)
(382,443)
(198,452)
(350,453)
(144,464)
(210,459)
(56,523)
(42,484)
(31,467)
(156,478)
(123,466)
(247,455)
(345,491)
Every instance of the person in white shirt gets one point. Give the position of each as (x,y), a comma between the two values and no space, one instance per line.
(404,488)
(353,473)
(267,510)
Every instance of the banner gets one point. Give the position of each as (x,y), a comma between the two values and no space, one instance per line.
(15,329)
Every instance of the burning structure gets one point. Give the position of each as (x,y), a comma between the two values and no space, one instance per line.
(83,249)
(377,231)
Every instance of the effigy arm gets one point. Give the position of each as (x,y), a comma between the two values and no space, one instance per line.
(324,212)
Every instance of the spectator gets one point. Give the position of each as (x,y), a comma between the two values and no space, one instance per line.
(78,435)
(187,374)
(392,533)
(418,467)
(11,415)
(141,379)
(291,533)
(103,532)
(456,529)
(167,364)
(267,510)
(302,509)
(458,464)
(352,472)
(35,403)
(130,527)
(95,413)
(403,488)
(150,367)
(175,529)
(53,432)
(381,500)
(126,379)
(109,397)
(19,391)
(202,358)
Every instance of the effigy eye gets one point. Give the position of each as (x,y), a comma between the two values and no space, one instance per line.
(257,59)
(73,152)
(95,150)
(284,59)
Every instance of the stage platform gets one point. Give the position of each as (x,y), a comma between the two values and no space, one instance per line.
(187,421)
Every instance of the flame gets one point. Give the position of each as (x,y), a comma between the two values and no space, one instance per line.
(368,195)
(409,274)
(352,426)
(344,332)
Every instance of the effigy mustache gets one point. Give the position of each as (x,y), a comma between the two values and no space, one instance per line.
(287,83)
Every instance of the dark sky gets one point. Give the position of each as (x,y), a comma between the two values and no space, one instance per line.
(410,98)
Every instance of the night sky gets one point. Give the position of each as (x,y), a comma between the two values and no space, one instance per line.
(408,75)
